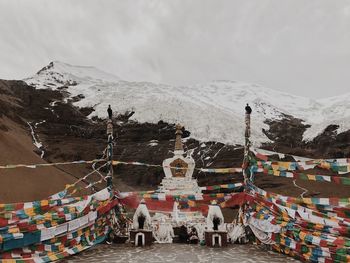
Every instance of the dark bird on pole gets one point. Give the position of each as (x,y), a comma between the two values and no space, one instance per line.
(248,109)
(110,112)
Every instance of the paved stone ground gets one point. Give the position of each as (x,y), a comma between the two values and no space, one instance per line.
(178,253)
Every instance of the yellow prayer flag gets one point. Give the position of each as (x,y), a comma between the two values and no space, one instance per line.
(325,165)
(13,230)
(311,177)
(285,165)
(29,211)
(307,201)
(53,257)
(275,166)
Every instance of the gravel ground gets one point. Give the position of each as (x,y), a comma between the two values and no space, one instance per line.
(178,253)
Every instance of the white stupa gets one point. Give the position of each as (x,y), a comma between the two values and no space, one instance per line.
(178,172)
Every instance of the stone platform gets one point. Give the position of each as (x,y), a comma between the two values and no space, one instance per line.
(179,253)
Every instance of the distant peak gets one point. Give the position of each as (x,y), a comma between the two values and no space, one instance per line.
(81,72)
(60,63)
(51,65)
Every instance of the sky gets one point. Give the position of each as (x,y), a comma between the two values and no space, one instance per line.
(296,46)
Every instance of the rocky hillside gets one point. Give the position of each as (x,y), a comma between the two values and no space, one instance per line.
(16,147)
(64,132)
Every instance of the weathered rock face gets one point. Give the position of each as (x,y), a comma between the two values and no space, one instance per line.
(287,137)
(332,144)
(287,132)
(67,134)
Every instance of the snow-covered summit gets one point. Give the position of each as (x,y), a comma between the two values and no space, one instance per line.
(58,74)
(211,111)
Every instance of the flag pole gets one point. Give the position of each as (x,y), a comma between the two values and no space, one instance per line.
(110,153)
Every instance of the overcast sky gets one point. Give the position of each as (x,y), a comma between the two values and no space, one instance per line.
(297,46)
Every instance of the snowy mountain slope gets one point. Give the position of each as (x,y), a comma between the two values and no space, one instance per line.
(58,74)
(337,106)
(212,111)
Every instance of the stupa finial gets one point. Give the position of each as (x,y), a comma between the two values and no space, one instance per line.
(178,141)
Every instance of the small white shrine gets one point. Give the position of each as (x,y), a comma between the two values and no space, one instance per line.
(141,232)
(178,171)
(215,234)
(215,218)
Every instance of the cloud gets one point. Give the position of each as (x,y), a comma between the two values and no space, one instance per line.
(298,46)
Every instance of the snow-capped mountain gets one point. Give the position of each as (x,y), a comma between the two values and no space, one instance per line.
(212,111)
(58,74)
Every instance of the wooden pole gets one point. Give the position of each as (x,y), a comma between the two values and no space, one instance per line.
(110,153)
(246,144)
(245,166)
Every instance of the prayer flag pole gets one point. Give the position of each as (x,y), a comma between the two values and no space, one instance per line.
(110,153)
(248,111)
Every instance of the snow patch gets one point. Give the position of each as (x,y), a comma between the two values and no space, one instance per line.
(36,143)
(153,143)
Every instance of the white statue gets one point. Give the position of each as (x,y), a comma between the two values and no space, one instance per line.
(215,218)
(175,213)
(142,218)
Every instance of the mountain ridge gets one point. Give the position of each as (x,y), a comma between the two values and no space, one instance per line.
(213,111)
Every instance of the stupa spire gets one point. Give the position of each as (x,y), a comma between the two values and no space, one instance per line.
(178,171)
(178,142)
